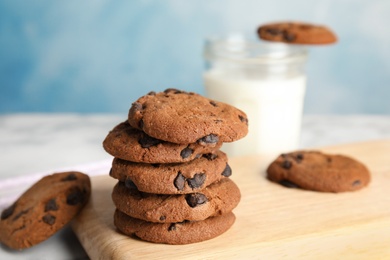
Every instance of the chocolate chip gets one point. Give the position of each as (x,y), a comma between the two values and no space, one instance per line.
(210,156)
(243,119)
(152,93)
(8,212)
(49,219)
(273,31)
(51,205)
(172,227)
(209,139)
(197,180)
(110,173)
(289,37)
(147,141)
(70,177)
(179,181)
(175,91)
(195,199)
(299,157)
(213,103)
(137,106)
(186,152)
(286,164)
(162,218)
(356,183)
(288,184)
(130,184)
(227,171)
(76,196)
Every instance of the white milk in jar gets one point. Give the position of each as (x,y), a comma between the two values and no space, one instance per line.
(266,81)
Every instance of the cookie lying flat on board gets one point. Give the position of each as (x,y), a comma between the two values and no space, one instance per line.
(43,209)
(313,170)
(185,117)
(217,199)
(178,178)
(128,143)
(296,33)
(174,233)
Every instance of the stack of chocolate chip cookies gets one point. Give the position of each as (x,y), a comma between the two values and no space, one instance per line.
(173,184)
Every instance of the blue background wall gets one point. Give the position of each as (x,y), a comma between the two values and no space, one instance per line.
(99,56)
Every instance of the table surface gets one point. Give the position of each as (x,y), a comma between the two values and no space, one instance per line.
(32,145)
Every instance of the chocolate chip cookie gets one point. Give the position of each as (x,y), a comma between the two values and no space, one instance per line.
(313,170)
(44,209)
(174,233)
(296,33)
(179,178)
(214,200)
(184,117)
(128,143)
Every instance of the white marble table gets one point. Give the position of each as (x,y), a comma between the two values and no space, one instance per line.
(32,145)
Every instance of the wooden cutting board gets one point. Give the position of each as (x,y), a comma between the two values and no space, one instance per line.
(272,222)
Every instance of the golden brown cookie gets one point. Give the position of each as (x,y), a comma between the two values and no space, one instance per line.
(174,233)
(296,33)
(178,178)
(44,209)
(313,170)
(217,199)
(128,143)
(185,117)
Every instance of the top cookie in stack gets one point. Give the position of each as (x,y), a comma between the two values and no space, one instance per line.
(173,182)
(182,118)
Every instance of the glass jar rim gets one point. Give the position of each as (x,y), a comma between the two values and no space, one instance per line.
(242,48)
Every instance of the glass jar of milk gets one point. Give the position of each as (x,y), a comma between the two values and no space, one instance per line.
(264,79)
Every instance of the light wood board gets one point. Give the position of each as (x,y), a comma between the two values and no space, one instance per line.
(272,222)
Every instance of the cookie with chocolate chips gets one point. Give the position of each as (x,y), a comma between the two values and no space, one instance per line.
(178,178)
(214,200)
(43,209)
(127,143)
(313,170)
(184,117)
(296,33)
(180,233)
